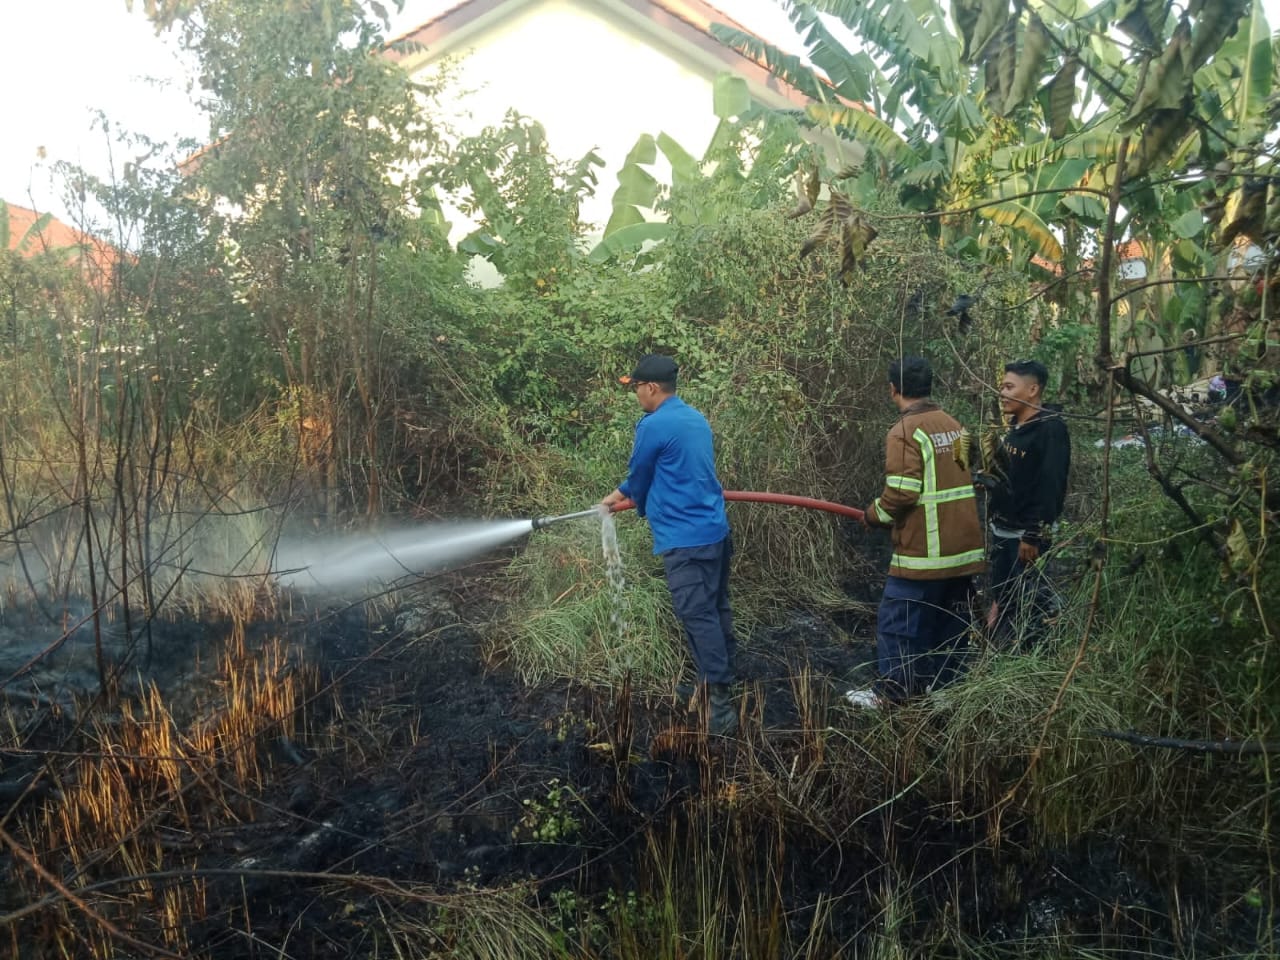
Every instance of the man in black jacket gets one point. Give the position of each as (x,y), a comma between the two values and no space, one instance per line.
(1025,505)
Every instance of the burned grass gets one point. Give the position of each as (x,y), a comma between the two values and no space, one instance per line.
(380,783)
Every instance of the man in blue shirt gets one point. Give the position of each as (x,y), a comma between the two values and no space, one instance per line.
(672,479)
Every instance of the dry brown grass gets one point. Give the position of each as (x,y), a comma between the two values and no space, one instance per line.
(144,788)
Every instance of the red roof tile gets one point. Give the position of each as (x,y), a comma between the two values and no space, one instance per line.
(97,257)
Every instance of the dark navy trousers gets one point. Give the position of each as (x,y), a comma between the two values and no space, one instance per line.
(1025,597)
(698,578)
(922,630)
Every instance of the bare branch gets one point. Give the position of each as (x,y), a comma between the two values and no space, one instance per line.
(1211,278)
(112,930)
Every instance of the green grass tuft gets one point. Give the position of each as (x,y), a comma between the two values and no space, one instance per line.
(564,625)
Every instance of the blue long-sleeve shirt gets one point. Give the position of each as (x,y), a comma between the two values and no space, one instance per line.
(672,478)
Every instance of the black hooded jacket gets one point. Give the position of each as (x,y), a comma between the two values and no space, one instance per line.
(1037,459)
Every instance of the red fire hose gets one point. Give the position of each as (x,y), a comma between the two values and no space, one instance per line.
(785,499)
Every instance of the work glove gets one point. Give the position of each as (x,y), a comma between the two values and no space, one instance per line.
(985,480)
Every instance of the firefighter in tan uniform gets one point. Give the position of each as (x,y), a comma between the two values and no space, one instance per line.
(929,506)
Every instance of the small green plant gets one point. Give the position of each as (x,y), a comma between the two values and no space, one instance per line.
(550,819)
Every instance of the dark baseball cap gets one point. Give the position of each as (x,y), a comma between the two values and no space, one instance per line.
(652,368)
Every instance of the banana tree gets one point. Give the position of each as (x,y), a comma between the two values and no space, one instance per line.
(1019,110)
(1048,119)
(638,217)
(933,107)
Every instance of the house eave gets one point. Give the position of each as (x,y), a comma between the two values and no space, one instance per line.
(451,31)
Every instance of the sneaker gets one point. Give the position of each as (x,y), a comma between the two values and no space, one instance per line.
(866,699)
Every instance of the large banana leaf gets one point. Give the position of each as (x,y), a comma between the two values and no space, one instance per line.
(1021,219)
(1098,143)
(1164,136)
(1061,175)
(628,239)
(732,104)
(1111,77)
(965,15)
(685,168)
(1060,97)
(1001,65)
(913,40)
(1250,52)
(783,65)
(1168,79)
(1053,182)
(1095,17)
(906,30)
(637,187)
(852,74)
(1167,139)
(901,44)
(926,172)
(1190,224)
(1215,21)
(1086,207)
(988,19)
(960,118)
(1030,65)
(730,97)
(860,125)
(1143,20)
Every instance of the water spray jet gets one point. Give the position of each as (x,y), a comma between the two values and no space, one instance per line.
(339,564)
(348,563)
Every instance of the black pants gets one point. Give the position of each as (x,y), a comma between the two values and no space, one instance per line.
(698,578)
(1025,597)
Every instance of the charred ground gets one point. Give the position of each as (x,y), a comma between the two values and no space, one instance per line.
(422,783)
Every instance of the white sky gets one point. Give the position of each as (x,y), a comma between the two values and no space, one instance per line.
(64,60)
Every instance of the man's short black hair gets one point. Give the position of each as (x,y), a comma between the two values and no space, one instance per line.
(1029,368)
(912,377)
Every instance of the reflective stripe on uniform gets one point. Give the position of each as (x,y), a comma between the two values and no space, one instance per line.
(928,468)
(881,514)
(903,483)
(946,496)
(929,500)
(936,563)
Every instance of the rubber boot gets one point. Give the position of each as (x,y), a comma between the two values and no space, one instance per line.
(722,714)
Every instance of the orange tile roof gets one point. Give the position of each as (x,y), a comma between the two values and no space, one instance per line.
(1047,265)
(97,257)
(54,235)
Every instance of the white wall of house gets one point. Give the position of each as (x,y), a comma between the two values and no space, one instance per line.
(594,73)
